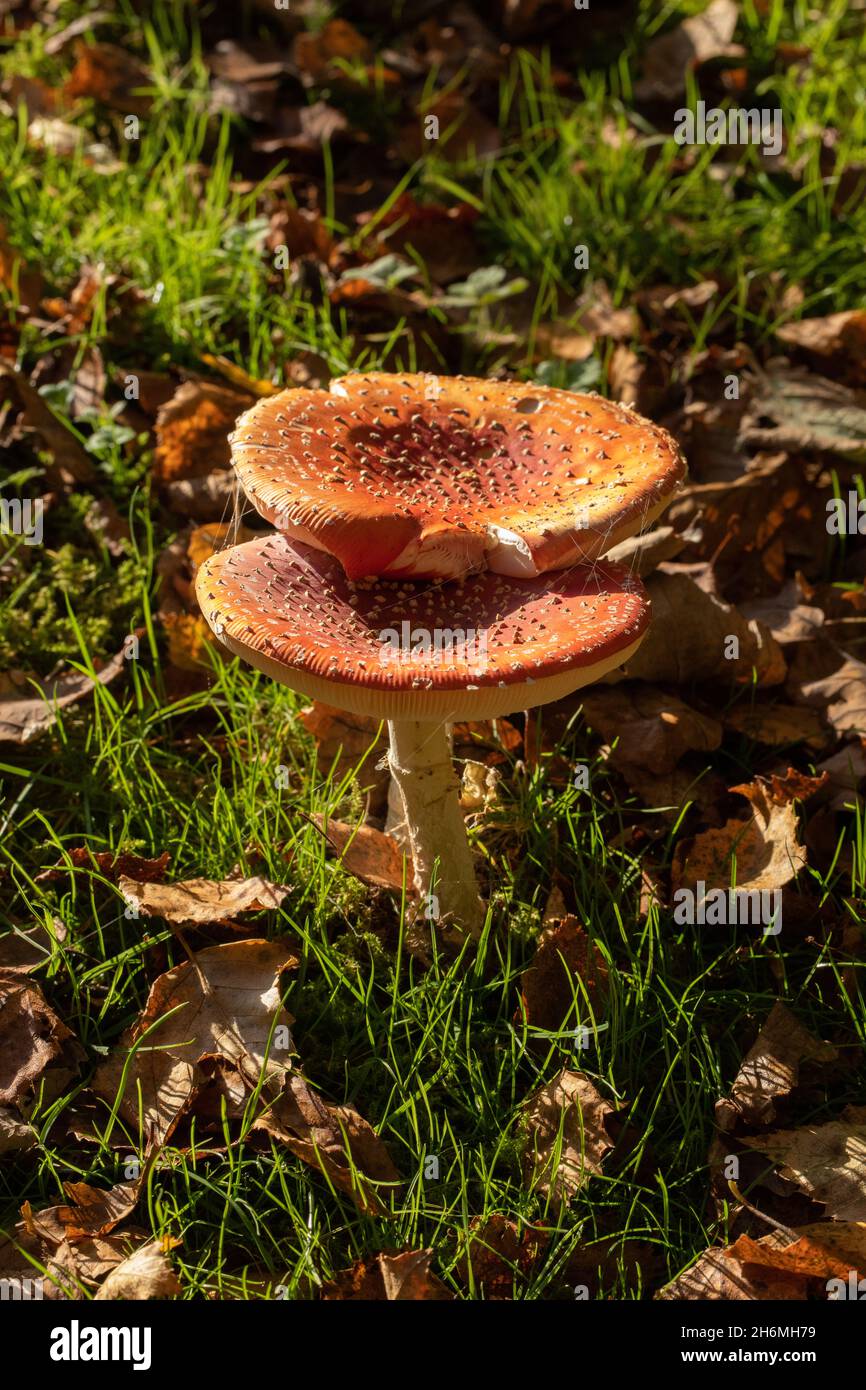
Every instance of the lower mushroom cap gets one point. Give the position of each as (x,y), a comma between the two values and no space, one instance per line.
(407,650)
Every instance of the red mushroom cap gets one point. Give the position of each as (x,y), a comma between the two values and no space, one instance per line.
(403,650)
(437,477)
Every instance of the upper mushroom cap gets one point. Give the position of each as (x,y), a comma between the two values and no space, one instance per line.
(398,649)
(436,477)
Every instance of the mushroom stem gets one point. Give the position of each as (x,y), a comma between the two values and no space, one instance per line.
(443,872)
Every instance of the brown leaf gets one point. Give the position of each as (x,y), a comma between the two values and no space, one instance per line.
(567,1136)
(145,1274)
(15,1136)
(72,463)
(201,900)
(336,1139)
(668,58)
(846,770)
(317,55)
(827,1161)
(389,1278)
(110,864)
(804,1257)
(654,730)
(226,1006)
(599,317)
(690,633)
(771,1069)
(720,1274)
(24,950)
(190,641)
(775,724)
(31,1036)
(192,431)
(24,715)
(841,695)
(496,1251)
(91,1212)
(374,858)
(303,128)
(785,614)
(566,963)
(800,411)
(767,850)
(836,337)
(111,75)
(204,499)
(302,232)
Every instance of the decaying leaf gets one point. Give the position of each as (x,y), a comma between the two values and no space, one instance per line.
(147,1273)
(224,1007)
(828,1161)
(31,1036)
(668,58)
(567,963)
(71,462)
(766,847)
(841,695)
(653,729)
(567,1137)
(835,336)
(695,636)
(404,1276)
(192,431)
(771,1069)
(201,900)
(110,75)
(497,1250)
(767,721)
(771,1268)
(373,857)
(15,1135)
(29,706)
(336,1139)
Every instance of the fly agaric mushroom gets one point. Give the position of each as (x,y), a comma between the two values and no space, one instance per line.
(422,656)
(438,477)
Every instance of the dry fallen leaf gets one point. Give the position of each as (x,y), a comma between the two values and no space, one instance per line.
(695,636)
(567,1136)
(775,724)
(110,75)
(389,1277)
(91,1211)
(192,431)
(201,900)
(566,963)
(653,730)
(496,1251)
(145,1274)
(767,850)
(31,1036)
(333,1138)
(108,863)
(223,1006)
(29,706)
(841,695)
(70,461)
(15,1135)
(828,1161)
(373,857)
(771,1069)
(668,58)
(837,336)
(722,1274)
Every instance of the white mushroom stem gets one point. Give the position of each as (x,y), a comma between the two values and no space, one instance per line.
(443,873)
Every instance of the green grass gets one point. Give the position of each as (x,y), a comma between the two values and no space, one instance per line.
(439,1061)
